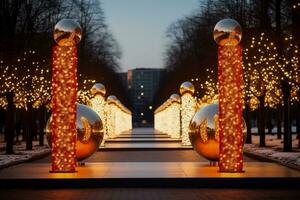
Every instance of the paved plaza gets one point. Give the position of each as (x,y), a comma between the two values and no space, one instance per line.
(155,172)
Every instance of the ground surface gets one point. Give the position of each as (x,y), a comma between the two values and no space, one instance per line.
(151,194)
(149,155)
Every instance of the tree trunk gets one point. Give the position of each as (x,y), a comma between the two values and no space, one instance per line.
(298,119)
(269,121)
(9,123)
(42,126)
(29,129)
(261,122)
(287,139)
(248,123)
(279,120)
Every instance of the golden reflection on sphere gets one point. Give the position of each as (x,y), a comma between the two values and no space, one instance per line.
(67,32)
(175,98)
(89,132)
(112,99)
(98,88)
(228,32)
(203,134)
(187,87)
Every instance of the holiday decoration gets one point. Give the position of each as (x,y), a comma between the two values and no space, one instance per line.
(67,33)
(228,34)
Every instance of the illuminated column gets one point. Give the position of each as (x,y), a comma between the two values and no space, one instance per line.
(175,115)
(111,115)
(67,34)
(98,104)
(227,34)
(188,109)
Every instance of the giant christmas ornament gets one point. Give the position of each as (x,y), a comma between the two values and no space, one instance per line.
(98,88)
(227,34)
(67,33)
(204,132)
(89,131)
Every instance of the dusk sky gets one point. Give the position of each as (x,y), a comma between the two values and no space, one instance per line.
(140,26)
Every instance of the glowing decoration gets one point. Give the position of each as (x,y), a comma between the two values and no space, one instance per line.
(188,109)
(119,118)
(204,132)
(64,94)
(174,115)
(227,34)
(89,132)
(98,104)
(167,117)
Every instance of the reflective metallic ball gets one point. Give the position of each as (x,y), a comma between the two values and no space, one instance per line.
(98,88)
(187,87)
(112,99)
(227,32)
(203,133)
(67,32)
(175,98)
(89,132)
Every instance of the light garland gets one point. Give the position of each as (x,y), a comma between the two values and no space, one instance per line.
(188,109)
(64,95)
(230,80)
(98,104)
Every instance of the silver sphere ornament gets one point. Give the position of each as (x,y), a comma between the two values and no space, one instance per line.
(228,32)
(187,87)
(203,132)
(89,132)
(67,32)
(98,88)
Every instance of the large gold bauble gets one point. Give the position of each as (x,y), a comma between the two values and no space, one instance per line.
(98,88)
(67,32)
(187,87)
(204,134)
(227,32)
(89,132)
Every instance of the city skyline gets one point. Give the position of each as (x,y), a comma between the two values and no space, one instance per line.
(140,26)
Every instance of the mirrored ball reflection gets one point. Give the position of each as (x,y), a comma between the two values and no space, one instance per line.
(203,132)
(89,132)
(227,32)
(67,32)
(187,87)
(98,88)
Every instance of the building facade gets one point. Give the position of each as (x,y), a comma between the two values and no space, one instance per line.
(142,85)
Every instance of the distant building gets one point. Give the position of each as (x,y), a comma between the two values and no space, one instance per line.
(142,85)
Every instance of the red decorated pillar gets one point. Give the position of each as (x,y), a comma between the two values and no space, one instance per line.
(228,34)
(67,34)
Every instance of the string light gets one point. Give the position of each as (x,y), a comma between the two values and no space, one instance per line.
(230,78)
(64,95)
(188,109)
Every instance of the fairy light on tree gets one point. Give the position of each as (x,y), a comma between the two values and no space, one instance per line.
(67,33)
(188,109)
(227,34)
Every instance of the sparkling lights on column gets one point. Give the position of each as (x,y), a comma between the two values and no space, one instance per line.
(188,109)
(227,34)
(119,118)
(67,34)
(98,104)
(167,117)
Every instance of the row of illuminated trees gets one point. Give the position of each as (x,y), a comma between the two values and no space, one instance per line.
(271,39)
